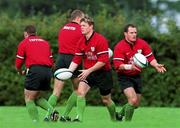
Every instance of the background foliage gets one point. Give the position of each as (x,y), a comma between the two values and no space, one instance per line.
(49,16)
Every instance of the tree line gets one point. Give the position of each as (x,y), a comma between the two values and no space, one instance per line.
(158,89)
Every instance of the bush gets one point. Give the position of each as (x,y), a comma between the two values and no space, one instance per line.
(158,89)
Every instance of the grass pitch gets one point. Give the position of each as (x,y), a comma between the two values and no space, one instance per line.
(94,117)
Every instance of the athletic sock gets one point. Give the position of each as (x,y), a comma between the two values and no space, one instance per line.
(53,100)
(32,110)
(71,102)
(81,103)
(122,112)
(112,109)
(129,110)
(43,103)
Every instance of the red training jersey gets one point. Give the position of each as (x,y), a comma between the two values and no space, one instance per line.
(93,50)
(68,38)
(33,50)
(124,52)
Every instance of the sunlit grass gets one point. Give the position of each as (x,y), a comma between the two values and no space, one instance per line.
(94,117)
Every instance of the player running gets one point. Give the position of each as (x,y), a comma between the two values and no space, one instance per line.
(68,37)
(128,74)
(35,52)
(93,49)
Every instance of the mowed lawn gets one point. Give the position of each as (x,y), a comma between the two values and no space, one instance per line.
(94,117)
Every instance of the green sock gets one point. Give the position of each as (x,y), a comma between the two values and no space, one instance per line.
(43,103)
(81,103)
(32,110)
(53,100)
(70,103)
(112,109)
(122,112)
(129,110)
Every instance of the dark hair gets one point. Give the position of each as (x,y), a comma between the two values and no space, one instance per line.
(76,13)
(88,20)
(30,29)
(127,26)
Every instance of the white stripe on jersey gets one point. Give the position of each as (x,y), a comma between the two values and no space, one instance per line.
(118,59)
(148,54)
(79,54)
(102,52)
(20,57)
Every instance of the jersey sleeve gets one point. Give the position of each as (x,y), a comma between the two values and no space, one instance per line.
(20,55)
(147,52)
(102,51)
(50,54)
(118,57)
(79,53)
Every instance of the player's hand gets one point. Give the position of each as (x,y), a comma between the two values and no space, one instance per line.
(134,67)
(22,72)
(84,74)
(160,68)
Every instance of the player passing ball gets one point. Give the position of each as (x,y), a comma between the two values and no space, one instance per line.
(93,49)
(128,73)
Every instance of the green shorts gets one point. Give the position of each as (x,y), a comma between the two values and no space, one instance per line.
(64,60)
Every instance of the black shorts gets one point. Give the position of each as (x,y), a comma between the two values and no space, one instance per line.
(38,78)
(64,60)
(131,81)
(101,79)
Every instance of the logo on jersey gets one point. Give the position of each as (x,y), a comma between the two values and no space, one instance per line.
(127,53)
(92,49)
(69,28)
(35,40)
(139,50)
(91,55)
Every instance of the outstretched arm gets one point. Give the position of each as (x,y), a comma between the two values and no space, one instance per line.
(159,67)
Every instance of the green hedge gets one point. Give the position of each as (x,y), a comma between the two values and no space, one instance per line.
(158,89)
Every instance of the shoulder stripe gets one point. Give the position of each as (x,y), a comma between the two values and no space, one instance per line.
(118,59)
(103,52)
(148,54)
(79,54)
(20,57)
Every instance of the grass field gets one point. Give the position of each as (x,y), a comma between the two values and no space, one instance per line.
(95,117)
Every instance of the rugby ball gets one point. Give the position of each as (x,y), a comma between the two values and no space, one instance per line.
(140,60)
(110,52)
(63,74)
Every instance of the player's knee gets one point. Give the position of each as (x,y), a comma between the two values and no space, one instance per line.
(29,97)
(57,89)
(106,100)
(56,92)
(58,84)
(81,93)
(134,101)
